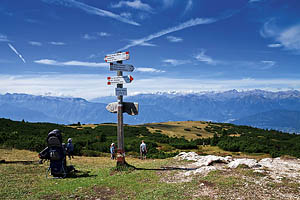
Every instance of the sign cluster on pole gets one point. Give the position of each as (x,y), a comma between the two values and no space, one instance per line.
(120,107)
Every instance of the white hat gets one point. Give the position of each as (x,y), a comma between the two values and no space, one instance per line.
(112,143)
(70,140)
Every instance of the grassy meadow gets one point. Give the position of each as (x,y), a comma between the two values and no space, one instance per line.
(21,177)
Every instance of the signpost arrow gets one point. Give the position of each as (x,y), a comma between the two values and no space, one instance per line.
(128,107)
(119,80)
(117,57)
(121,67)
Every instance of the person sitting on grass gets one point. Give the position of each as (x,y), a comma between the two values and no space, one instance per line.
(143,150)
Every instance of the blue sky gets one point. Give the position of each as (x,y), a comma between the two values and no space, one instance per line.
(57,47)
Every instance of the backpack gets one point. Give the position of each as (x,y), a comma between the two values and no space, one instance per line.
(57,154)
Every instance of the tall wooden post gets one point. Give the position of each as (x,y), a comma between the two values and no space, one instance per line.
(120,128)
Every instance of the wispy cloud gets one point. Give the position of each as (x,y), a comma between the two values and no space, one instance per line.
(274,45)
(136,4)
(16,52)
(3,38)
(188,6)
(127,15)
(187,24)
(103,34)
(175,62)
(95,36)
(88,37)
(57,43)
(91,10)
(34,43)
(174,39)
(168,3)
(267,64)
(289,37)
(148,44)
(202,57)
(71,63)
(148,69)
(253,1)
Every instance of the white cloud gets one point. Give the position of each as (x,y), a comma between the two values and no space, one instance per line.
(3,38)
(175,62)
(128,15)
(90,86)
(16,52)
(205,58)
(57,43)
(34,43)
(91,10)
(187,24)
(289,38)
(189,6)
(147,69)
(136,4)
(148,44)
(103,34)
(274,45)
(268,64)
(88,37)
(174,39)
(71,63)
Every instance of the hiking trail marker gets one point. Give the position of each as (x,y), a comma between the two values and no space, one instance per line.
(119,80)
(117,57)
(120,107)
(121,67)
(121,91)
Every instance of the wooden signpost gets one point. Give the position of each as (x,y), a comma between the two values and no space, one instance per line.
(120,107)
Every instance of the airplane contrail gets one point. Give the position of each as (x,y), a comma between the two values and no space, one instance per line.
(18,54)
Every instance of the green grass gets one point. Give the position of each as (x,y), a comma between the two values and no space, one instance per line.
(96,179)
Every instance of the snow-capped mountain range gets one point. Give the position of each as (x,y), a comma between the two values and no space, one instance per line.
(264,109)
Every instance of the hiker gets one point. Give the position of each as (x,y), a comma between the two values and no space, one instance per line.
(112,151)
(70,149)
(143,150)
(56,153)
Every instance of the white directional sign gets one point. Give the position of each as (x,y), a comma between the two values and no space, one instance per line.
(117,57)
(121,67)
(131,108)
(119,80)
(121,91)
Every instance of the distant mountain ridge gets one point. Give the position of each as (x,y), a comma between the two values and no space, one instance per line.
(276,110)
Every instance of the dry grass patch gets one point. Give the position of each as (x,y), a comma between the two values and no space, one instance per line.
(188,129)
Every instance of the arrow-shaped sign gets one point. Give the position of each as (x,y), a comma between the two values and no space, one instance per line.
(119,80)
(117,57)
(129,107)
(121,67)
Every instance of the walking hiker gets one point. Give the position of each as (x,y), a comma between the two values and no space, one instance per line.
(70,148)
(143,150)
(112,151)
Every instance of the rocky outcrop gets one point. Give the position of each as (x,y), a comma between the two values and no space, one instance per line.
(276,168)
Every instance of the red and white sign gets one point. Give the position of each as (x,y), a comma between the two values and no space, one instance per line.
(119,80)
(117,57)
